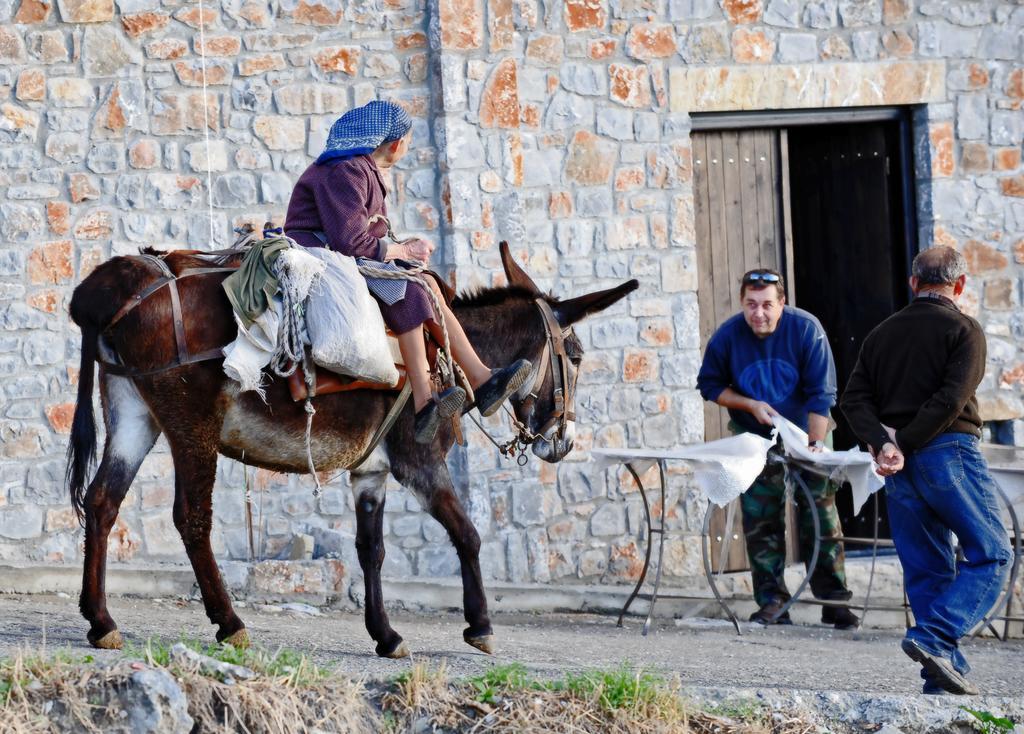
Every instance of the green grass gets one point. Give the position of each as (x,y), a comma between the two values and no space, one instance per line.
(291,668)
(989,722)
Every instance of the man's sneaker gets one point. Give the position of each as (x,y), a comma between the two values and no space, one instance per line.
(765,614)
(501,385)
(940,671)
(430,417)
(840,617)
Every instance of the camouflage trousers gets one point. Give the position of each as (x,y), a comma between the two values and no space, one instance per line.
(764,507)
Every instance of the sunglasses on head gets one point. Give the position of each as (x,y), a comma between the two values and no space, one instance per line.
(761,278)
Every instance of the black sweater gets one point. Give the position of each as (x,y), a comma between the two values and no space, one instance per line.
(917,372)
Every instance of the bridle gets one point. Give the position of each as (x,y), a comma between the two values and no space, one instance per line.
(553,359)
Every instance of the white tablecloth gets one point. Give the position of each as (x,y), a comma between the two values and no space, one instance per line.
(726,468)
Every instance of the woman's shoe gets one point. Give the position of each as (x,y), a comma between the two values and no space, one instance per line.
(430,417)
(501,385)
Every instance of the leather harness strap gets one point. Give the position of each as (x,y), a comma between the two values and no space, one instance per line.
(169,280)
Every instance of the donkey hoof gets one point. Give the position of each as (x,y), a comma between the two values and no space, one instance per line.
(110,641)
(239,640)
(484,643)
(400,651)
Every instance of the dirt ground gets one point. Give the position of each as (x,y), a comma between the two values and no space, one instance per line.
(702,654)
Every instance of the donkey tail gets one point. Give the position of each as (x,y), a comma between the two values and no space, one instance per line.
(82,447)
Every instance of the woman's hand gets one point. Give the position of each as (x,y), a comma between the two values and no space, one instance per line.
(417,249)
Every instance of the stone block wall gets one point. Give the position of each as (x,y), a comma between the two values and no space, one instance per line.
(562,126)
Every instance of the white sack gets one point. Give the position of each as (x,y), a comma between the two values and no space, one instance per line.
(346,331)
(250,352)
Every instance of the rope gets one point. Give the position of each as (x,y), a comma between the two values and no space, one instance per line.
(206,117)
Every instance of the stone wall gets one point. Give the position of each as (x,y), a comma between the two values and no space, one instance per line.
(562,127)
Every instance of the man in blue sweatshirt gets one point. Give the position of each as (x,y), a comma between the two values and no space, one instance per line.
(775,359)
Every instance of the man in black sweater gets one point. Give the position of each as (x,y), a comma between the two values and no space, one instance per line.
(911,400)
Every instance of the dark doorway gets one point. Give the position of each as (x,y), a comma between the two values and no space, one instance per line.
(850,249)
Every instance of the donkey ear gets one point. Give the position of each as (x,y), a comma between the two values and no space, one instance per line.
(515,274)
(576,309)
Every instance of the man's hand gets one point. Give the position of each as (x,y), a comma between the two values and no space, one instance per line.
(762,411)
(889,460)
(418,249)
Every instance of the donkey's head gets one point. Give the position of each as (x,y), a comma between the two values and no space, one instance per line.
(546,404)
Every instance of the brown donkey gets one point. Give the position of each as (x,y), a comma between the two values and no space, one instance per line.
(202,413)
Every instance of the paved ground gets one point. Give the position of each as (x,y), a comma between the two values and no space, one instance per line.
(703,654)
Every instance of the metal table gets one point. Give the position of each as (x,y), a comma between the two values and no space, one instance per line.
(1006,473)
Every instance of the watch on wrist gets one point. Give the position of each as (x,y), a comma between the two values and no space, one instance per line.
(816,444)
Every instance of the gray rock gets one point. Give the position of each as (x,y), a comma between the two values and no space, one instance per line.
(540,168)
(252,95)
(797,47)
(26,386)
(615,123)
(580,485)
(614,332)
(275,188)
(435,562)
(707,43)
(191,660)
(821,14)
(14,157)
(106,158)
(865,45)
(972,116)
(567,111)
(783,13)
(856,13)
(593,202)
(130,192)
(20,316)
(692,9)
(1001,44)
(233,190)
(105,52)
(584,79)
(461,143)
(533,84)
(44,348)
(680,368)
(22,522)
(1006,127)
(608,520)
(646,127)
(938,39)
(21,222)
(508,216)
(33,191)
(421,184)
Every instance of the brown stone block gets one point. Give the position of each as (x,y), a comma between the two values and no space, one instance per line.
(190,72)
(62,518)
(175,113)
(500,24)
(581,15)
(57,217)
(253,65)
(546,50)
(194,19)
(416,68)
(999,294)
(144,154)
(897,44)
(86,11)
(217,46)
(31,86)
(941,236)
(1018,252)
(110,118)
(50,263)
(1000,405)
(624,561)
(752,47)
(33,11)
(836,48)
(602,48)
(560,204)
(896,11)
(138,24)
(316,14)
(96,225)
(499,103)
(977,76)
(514,145)
(629,85)
(166,49)
(657,333)
(1012,185)
(668,166)
(1007,159)
(629,179)
(462,24)
(982,258)
(339,58)
(1012,376)
(652,41)
(974,158)
(82,187)
(60,416)
(490,182)
(1015,84)
(742,12)
(12,48)
(46,301)
(940,138)
(530,115)
(482,241)
(406,41)
(590,159)
(281,133)
(89,258)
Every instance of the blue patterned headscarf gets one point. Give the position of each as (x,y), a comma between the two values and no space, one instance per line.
(362,130)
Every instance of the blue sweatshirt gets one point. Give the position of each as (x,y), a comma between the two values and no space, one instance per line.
(791,369)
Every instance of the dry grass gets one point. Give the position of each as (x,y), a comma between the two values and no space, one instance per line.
(290,694)
(507,699)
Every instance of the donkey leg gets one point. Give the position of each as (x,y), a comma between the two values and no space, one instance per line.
(131,433)
(445,507)
(195,470)
(369,496)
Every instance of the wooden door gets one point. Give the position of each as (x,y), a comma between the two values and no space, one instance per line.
(740,225)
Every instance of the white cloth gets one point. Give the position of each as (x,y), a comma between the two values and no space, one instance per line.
(854,466)
(252,349)
(346,331)
(724,469)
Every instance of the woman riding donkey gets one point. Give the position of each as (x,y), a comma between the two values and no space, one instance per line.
(338,203)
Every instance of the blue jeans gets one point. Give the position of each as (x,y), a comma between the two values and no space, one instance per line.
(945,487)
